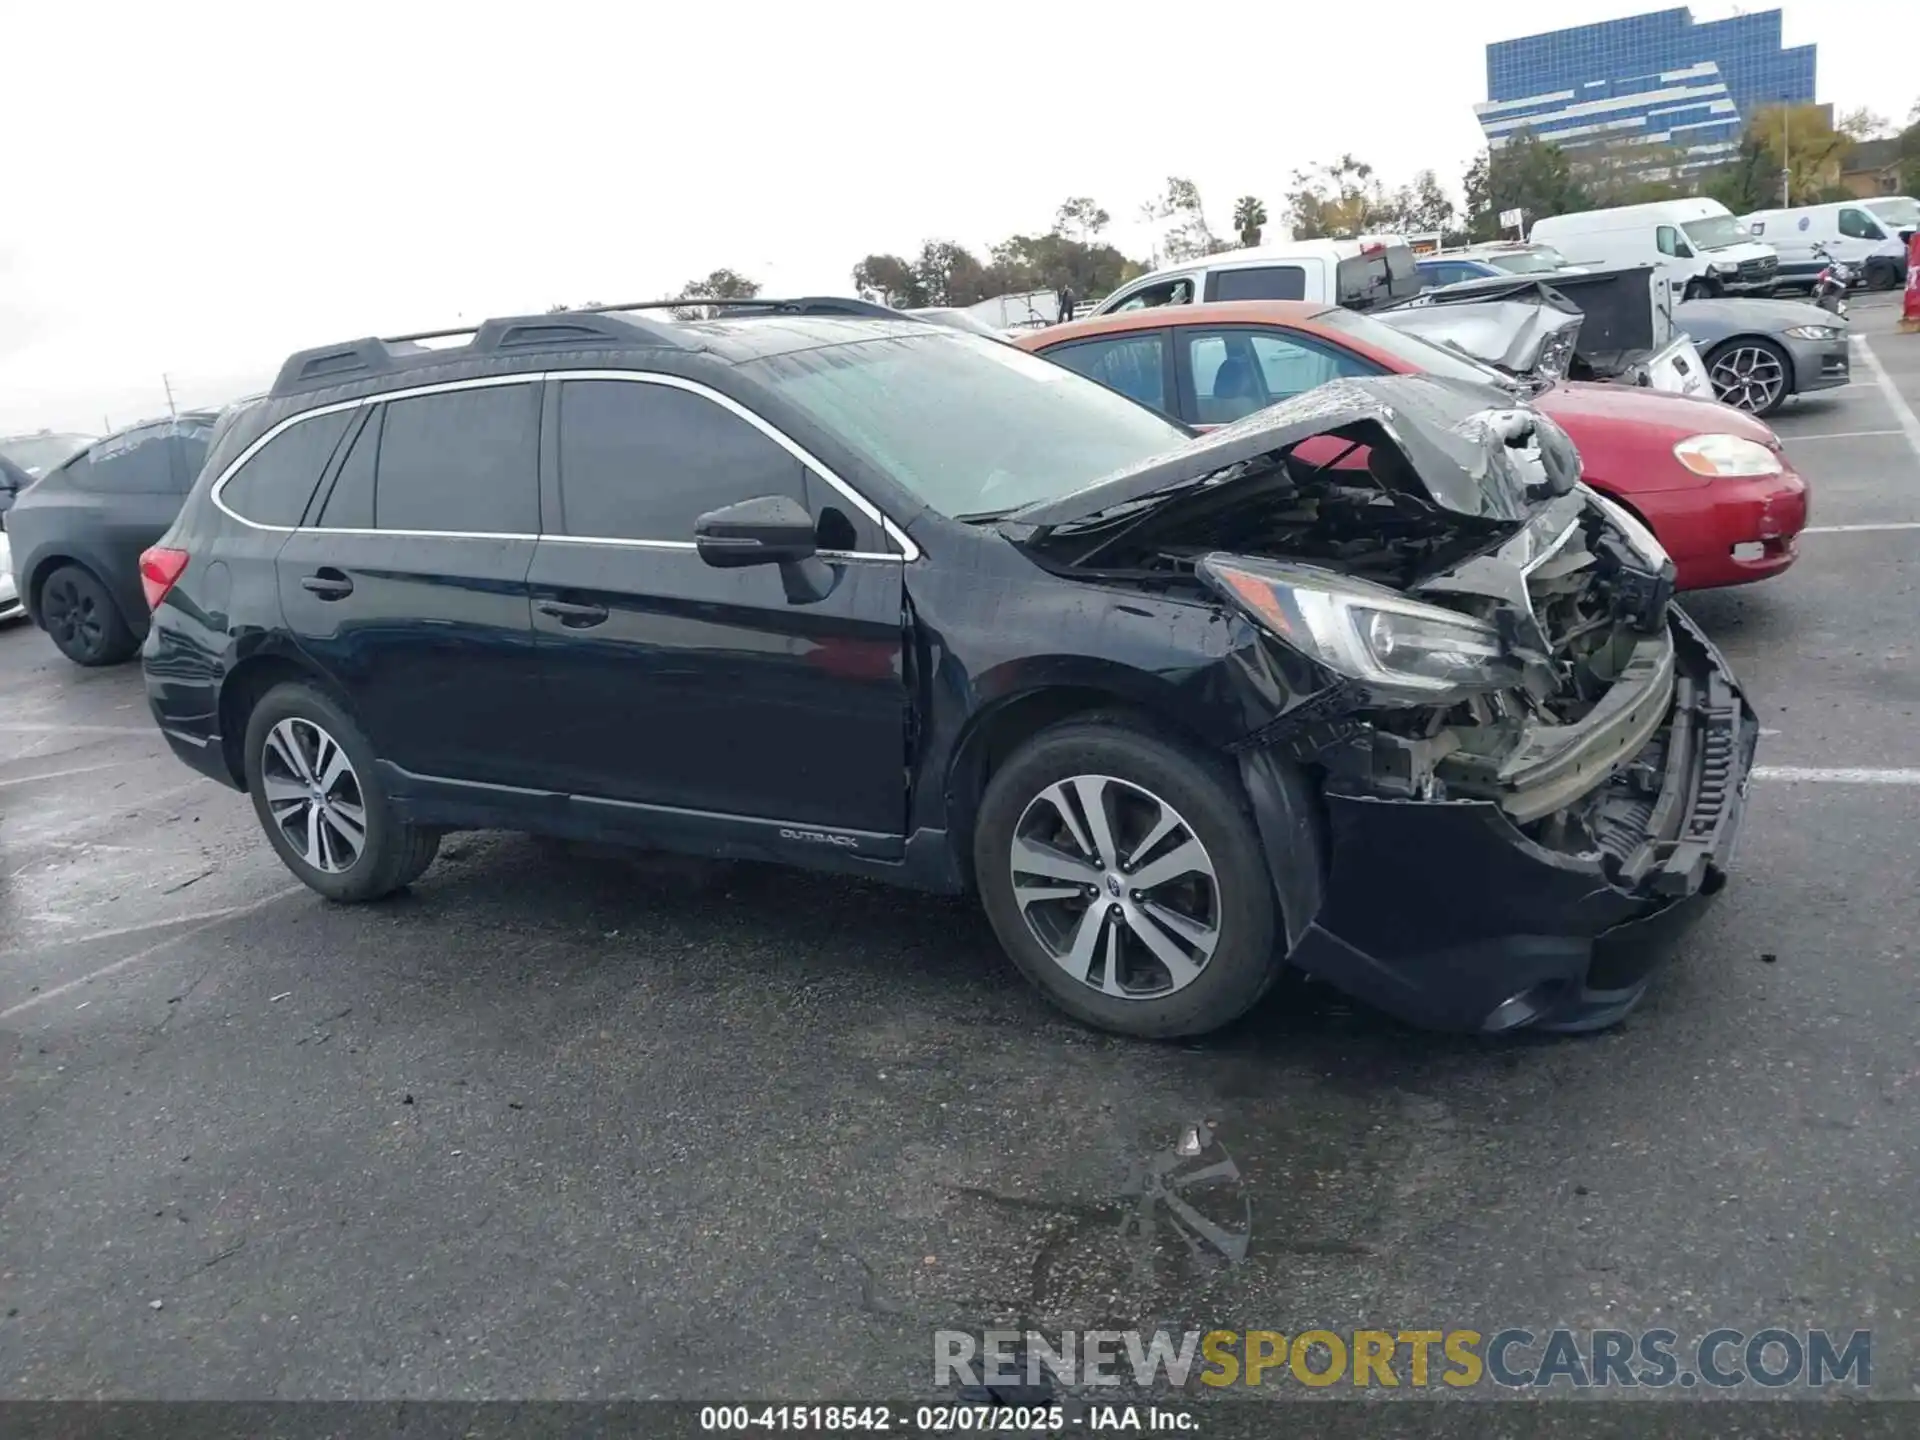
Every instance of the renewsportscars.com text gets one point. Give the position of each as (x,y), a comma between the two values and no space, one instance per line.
(1391,1359)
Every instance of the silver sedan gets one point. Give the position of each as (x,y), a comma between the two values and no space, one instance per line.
(1760,351)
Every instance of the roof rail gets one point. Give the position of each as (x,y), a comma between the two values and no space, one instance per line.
(802,305)
(587,326)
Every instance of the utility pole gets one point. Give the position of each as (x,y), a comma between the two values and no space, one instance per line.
(1786,156)
(169,388)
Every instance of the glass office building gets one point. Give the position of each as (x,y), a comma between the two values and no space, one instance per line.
(1660,78)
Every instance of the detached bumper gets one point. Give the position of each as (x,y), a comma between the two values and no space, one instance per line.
(1448,915)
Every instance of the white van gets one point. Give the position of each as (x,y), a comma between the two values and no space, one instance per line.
(1355,273)
(1696,243)
(1849,230)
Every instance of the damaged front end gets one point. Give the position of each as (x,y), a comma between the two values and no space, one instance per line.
(1514,756)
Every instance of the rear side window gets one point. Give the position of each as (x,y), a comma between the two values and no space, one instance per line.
(461,460)
(349,505)
(273,487)
(640,461)
(158,459)
(1260,282)
(1135,365)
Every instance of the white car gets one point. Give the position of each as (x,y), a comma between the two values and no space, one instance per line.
(10,606)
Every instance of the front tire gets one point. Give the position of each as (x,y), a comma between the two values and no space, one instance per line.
(1881,275)
(1123,874)
(83,620)
(1750,374)
(311,775)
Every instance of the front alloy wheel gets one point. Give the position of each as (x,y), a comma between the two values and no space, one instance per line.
(314,796)
(1122,872)
(1749,377)
(1116,887)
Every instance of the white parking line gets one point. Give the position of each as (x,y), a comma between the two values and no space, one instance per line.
(1903,412)
(10,728)
(1838,775)
(1840,435)
(206,919)
(78,770)
(1860,529)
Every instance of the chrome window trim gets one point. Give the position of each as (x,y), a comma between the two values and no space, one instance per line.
(908,550)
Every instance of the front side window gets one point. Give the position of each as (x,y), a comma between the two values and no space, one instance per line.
(970,426)
(1259,282)
(642,461)
(1858,225)
(1667,240)
(273,487)
(461,460)
(1135,365)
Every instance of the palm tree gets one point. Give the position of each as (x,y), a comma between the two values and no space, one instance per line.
(1248,216)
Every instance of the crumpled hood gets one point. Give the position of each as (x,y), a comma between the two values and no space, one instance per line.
(1470,448)
(1517,336)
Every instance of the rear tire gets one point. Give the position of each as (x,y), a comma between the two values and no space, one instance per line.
(305,754)
(1187,952)
(83,620)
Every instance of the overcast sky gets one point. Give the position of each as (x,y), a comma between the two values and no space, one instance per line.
(195,188)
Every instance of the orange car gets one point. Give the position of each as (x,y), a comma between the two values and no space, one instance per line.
(1709,480)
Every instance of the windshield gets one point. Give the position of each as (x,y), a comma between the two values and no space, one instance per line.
(1423,355)
(1900,211)
(1716,232)
(37,454)
(1535,261)
(972,426)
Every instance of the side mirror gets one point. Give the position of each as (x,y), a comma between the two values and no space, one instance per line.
(767,530)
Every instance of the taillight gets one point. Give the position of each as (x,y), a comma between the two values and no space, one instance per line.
(159,568)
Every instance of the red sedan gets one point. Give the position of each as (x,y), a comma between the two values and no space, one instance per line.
(1710,480)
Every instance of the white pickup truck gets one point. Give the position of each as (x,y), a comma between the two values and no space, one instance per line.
(1360,274)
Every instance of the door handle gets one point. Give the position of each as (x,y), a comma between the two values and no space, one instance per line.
(574,617)
(328,584)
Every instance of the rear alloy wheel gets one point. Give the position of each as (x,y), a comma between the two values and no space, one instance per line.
(311,775)
(1750,375)
(1126,879)
(80,615)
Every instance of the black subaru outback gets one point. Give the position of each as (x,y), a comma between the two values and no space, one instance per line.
(1406,707)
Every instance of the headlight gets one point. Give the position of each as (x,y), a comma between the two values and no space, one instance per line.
(1644,542)
(1815,332)
(1724,267)
(1726,455)
(1400,649)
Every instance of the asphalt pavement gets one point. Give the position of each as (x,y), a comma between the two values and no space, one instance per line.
(562,1125)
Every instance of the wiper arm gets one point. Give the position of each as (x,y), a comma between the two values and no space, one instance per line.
(983,517)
